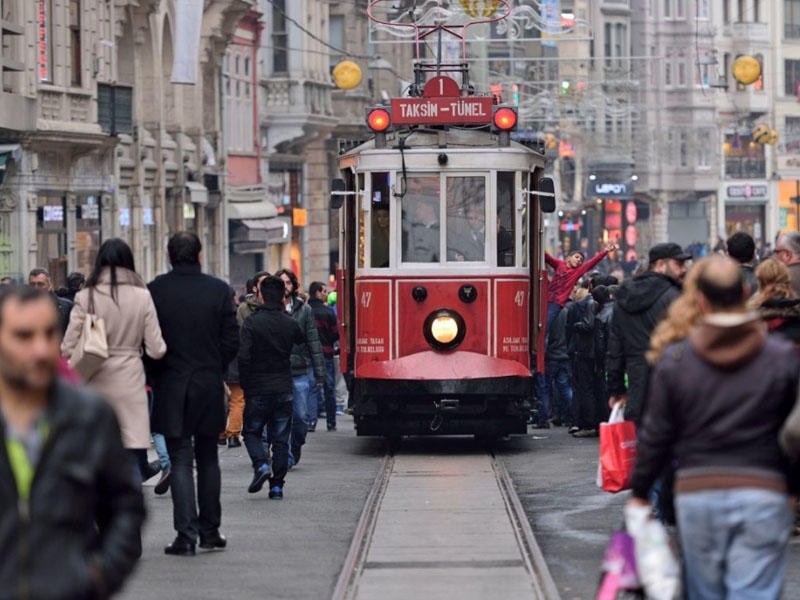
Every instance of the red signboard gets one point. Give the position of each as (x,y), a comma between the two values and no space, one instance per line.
(372,324)
(437,111)
(511,320)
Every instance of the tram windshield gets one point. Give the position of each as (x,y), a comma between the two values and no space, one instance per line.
(466,219)
(421,228)
(452,218)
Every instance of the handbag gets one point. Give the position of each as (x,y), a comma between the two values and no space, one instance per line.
(91,351)
(617,451)
(619,579)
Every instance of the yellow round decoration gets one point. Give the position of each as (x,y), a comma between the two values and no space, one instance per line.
(761,134)
(773,137)
(346,75)
(746,70)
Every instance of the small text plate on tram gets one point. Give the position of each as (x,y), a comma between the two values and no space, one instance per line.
(442,111)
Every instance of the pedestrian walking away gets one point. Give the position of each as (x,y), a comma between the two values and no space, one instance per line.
(117,294)
(198,322)
(265,349)
(731,484)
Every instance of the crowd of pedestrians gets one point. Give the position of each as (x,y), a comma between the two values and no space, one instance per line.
(177,349)
(704,356)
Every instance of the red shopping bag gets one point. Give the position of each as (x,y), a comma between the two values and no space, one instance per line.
(617,451)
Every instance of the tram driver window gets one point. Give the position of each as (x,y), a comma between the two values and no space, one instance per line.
(380,225)
(506,257)
(466,219)
(420,240)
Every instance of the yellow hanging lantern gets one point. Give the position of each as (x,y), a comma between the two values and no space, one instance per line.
(480,8)
(746,70)
(761,134)
(773,137)
(346,75)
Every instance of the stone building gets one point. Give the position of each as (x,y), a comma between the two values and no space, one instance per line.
(97,141)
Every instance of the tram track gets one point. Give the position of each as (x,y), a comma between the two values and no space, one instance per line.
(424,533)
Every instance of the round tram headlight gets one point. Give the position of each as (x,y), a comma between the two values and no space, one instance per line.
(444,329)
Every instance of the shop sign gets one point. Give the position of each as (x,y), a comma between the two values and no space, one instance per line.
(52,214)
(90,211)
(748,190)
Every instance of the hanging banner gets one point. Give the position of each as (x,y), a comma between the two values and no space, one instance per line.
(186,46)
(551,18)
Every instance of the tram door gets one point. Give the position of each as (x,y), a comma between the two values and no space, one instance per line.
(534,252)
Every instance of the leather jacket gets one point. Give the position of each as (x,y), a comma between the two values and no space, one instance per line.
(78,535)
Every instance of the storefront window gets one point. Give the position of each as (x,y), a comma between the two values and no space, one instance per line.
(51,238)
(87,232)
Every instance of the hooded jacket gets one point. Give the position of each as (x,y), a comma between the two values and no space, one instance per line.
(717,401)
(783,317)
(640,304)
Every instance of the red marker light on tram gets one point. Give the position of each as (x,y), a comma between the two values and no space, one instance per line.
(505,118)
(379,119)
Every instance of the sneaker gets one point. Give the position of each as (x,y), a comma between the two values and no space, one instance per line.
(261,475)
(234,442)
(222,442)
(153,469)
(276,493)
(312,428)
(162,487)
(573,429)
(331,427)
(585,433)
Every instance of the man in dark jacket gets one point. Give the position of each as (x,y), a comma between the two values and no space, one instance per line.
(641,304)
(328,330)
(40,279)
(70,507)
(198,322)
(308,366)
(716,403)
(265,373)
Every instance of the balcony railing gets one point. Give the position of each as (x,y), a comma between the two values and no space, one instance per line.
(745,168)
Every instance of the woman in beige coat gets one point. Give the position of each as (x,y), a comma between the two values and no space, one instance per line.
(117,294)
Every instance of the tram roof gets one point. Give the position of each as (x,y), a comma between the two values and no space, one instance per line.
(437,140)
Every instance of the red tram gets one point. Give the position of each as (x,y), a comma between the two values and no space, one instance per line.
(441,265)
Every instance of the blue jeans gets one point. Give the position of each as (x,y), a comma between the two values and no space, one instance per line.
(301,390)
(160,444)
(552,312)
(324,398)
(734,543)
(558,378)
(275,412)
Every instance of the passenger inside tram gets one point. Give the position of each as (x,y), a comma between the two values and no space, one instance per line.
(380,236)
(421,228)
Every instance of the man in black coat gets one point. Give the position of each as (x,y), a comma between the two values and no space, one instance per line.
(70,506)
(641,303)
(198,322)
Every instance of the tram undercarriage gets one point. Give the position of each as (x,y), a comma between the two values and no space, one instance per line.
(488,407)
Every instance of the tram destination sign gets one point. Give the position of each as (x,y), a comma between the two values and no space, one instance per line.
(442,110)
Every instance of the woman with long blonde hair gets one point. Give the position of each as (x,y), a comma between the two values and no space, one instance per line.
(776,301)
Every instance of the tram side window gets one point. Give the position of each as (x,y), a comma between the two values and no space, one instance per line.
(380,225)
(466,219)
(506,256)
(362,221)
(421,228)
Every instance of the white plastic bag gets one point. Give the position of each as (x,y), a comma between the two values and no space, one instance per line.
(659,570)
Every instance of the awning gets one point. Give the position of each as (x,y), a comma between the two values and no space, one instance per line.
(263,209)
(198,194)
(255,235)
(9,151)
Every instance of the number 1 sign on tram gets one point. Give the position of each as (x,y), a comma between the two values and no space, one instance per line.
(442,104)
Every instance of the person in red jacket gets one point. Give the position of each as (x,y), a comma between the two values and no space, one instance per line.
(567,273)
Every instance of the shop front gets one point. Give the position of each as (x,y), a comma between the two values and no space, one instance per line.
(745,209)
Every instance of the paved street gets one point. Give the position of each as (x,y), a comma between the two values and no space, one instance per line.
(294,549)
